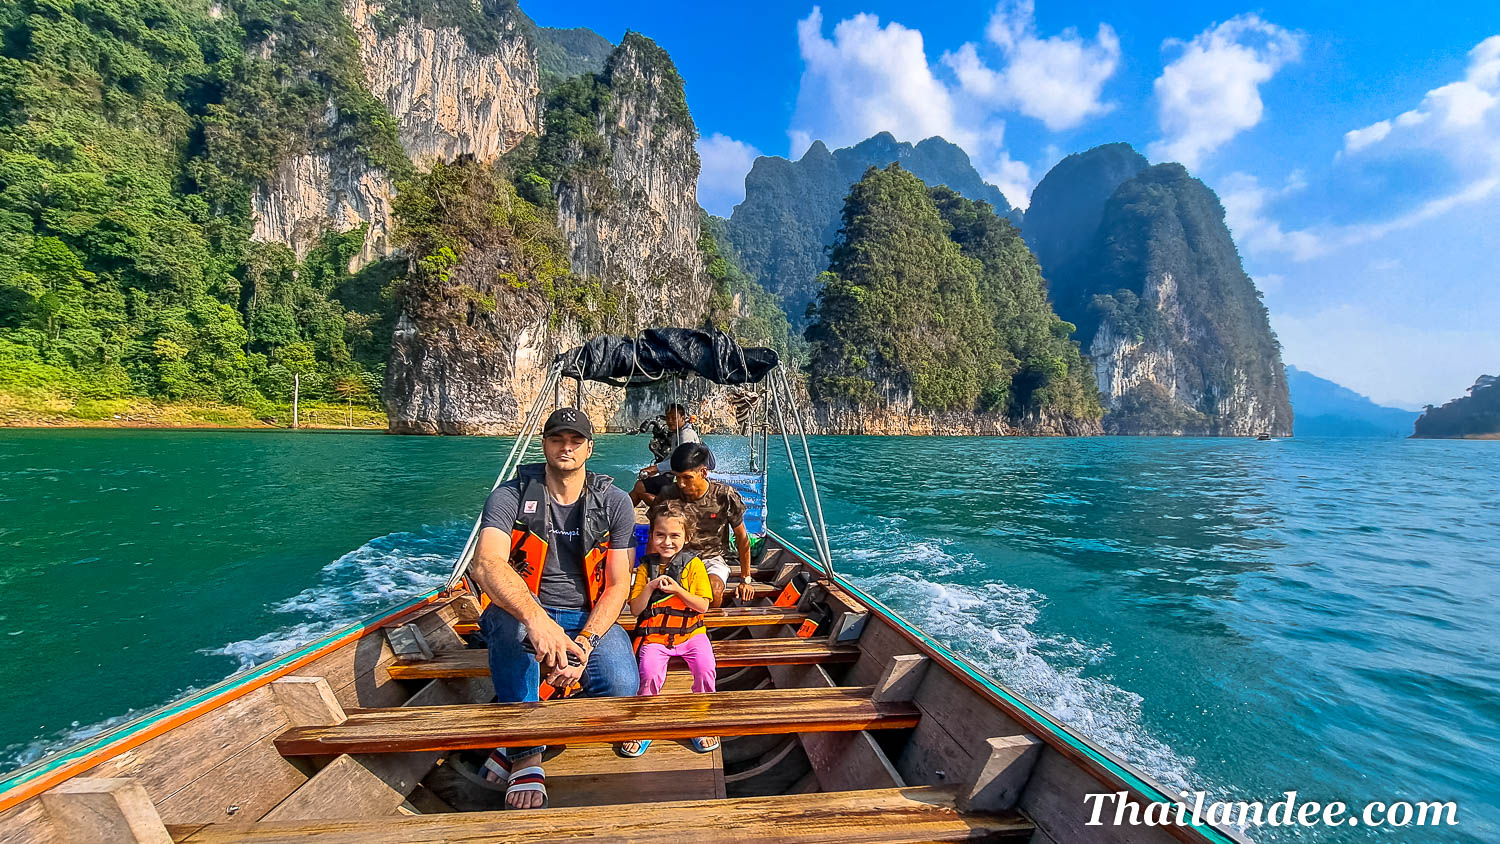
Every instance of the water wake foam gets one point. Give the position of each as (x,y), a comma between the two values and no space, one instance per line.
(380,574)
(991,622)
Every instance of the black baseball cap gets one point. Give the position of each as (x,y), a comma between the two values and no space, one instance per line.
(569,419)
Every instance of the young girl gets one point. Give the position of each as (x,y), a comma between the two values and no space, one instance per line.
(670,594)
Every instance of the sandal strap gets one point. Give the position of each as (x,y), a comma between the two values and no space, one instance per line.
(497,764)
(528,776)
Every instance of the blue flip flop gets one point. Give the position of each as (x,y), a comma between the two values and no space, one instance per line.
(620,749)
(700,746)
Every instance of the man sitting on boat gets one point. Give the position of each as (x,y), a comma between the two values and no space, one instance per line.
(654,478)
(715,509)
(554,560)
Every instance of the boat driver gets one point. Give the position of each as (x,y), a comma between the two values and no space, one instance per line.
(654,478)
(554,560)
(716,509)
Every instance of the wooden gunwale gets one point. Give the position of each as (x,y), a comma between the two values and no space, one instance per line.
(28,782)
(1104,766)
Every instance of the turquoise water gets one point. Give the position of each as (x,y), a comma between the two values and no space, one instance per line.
(1246,618)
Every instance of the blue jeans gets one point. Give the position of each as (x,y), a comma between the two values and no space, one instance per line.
(611,671)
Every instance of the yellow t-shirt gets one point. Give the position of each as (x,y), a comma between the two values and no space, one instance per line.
(694,580)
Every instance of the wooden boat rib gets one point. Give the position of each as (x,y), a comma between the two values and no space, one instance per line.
(840,721)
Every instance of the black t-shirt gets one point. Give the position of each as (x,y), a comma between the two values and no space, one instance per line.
(564,584)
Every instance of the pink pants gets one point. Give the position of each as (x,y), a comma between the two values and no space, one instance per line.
(696,652)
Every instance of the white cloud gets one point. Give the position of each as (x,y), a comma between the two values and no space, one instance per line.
(1211,92)
(1460,120)
(1246,210)
(1457,123)
(1058,80)
(721,181)
(867,79)
(872,77)
(1358,139)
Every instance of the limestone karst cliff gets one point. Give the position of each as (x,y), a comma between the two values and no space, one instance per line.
(616,170)
(447,99)
(1179,340)
(790,215)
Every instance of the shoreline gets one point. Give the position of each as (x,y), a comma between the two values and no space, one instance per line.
(55,413)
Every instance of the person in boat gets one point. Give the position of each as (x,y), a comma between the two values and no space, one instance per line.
(715,510)
(654,478)
(554,559)
(669,596)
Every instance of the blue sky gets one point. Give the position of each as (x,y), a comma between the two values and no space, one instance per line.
(1356,146)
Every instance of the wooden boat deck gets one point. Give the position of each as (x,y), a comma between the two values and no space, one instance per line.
(860,732)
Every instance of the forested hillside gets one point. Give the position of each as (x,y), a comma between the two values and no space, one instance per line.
(790,215)
(132,134)
(1476,415)
(933,301)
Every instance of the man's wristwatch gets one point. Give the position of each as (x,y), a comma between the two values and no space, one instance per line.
(591,638)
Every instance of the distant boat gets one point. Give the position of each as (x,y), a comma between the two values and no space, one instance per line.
(839,718)
(1263,436)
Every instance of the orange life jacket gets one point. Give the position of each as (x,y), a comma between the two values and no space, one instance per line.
(528,538)
(667,620)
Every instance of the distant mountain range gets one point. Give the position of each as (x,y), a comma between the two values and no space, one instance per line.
(1326,409)
(782,231)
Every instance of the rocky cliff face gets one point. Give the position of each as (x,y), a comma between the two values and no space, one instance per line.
(629,218)
(447,99)
(635,225)
(316,192)
(904,419)
(1178,337)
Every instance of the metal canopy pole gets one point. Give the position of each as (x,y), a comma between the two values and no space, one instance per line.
(820,541)
(512,462)
(812,478)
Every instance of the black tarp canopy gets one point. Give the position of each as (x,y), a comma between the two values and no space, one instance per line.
(659,353)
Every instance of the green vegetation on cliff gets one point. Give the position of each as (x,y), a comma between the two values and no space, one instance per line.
(132,136)
(476,247)
(933,296)
(1474,415)
(1067,203)
(739,305)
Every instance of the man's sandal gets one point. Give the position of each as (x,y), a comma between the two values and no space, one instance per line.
(527,779)
(498,765)
(706,745)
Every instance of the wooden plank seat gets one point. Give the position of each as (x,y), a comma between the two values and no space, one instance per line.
(716,618)
(678,716)
(921,813)
(737,653)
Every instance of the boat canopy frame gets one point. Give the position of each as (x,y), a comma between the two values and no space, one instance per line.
(656,355)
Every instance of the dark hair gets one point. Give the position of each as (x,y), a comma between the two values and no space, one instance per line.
(690,456)
(681,411)
(672,510)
